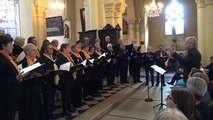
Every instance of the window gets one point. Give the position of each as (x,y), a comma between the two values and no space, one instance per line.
(9,17)
(174,19)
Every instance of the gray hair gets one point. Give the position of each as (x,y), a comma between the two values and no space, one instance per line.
(192,40)
(170,114)
(17,39)
(2,32)
(27,47)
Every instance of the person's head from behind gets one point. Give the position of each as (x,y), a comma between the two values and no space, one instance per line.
(198,86)
(6,44)
(30,50)
(191,42)
(20,41)
(32,40)
(65,48)
(182,99)
(170,114)
(135,47)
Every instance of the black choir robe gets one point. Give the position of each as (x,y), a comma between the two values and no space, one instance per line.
(66,82)
(123,61)
(9,89)
(87,81)
(17,50)
(31,107)
(77,84)
(49,88)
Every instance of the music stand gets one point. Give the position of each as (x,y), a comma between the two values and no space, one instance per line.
(148,99)
(161,71)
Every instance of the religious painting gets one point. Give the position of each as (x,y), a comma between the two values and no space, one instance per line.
(55,26)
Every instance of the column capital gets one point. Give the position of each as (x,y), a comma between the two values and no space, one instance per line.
(200,3)
(109,9)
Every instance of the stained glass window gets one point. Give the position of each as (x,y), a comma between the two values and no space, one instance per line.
(174,18)
(9,17)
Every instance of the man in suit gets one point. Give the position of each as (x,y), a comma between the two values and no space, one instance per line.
(191,60)
(17,47)
(149,60)
(161,58)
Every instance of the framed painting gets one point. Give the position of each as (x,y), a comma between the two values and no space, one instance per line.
(55,26)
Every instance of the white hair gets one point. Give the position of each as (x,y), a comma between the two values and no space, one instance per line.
(192,40)
(17,39)
(170,114)
(27,47)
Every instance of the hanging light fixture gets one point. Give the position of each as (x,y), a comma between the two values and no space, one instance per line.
(153,9)
(58,6)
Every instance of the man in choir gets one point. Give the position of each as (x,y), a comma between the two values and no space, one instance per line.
(149,60)
(77,85)
(67,80)
(123,60)
(2,32)
(10,78)
(161,57)
(106,42)
(191,60)
(34,41)
(55,48)
(31,107)
(137,60)
(110,67)
(17,46)
(129,49)
(51,80)
(86,41)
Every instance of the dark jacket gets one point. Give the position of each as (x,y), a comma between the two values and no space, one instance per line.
(9,86)
(160,60)
(148,59)
(192,60)
(16,50)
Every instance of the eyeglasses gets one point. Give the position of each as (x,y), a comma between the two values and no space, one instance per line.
(168,97)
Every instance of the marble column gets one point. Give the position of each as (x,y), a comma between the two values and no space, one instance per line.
(109,10)
(201,27)
(40,27)
(208,30)
(91,14)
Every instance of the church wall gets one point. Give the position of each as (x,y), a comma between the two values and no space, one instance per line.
(157,26)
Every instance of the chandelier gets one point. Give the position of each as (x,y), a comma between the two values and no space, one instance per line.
(153,9)
(58,7)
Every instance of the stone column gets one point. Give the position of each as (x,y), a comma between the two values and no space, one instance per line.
(208,31)
(119,10)
(201,27)
(101,14)
(146,31)
(131,25)
(137,30)
(109,10)
(40,27)
(91,14)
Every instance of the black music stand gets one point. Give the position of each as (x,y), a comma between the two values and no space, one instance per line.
(148,99)
(161,104)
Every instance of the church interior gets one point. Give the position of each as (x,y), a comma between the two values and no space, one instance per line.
(149,23)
